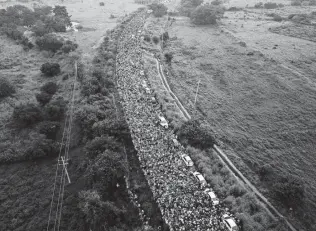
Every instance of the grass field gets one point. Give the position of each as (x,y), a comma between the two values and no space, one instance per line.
(260,104)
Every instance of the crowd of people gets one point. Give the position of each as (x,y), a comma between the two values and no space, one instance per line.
(183,204)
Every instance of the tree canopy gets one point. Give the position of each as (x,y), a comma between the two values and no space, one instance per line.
(206,14)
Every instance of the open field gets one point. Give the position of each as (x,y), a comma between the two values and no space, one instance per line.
(260,100)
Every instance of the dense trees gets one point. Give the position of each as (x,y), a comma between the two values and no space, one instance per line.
(49,42)
(27,114)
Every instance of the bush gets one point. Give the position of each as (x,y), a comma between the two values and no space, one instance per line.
(280,5)
(6,88)
(168,57)
(101,3)
(39,29)
(43,98)
(206,14)
(270,5)
(55,110)
(192,133)
(50,69)
(155,39)
(49,129)
(277,18)
(158,9)
(27,114)
(147,38)
(49,42)
(91,87)
(164,36)
(100,144)
(49,88)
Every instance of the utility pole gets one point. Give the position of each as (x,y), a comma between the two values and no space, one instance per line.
(64,163)
(197,90)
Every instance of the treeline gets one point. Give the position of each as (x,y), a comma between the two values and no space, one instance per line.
(42,21)
(202,14)
(105,203)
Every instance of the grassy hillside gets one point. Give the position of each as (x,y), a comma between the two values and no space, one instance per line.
(265,113)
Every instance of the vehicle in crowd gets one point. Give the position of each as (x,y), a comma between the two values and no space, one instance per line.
(187,160)
(200,178)
(163,122)
(229,222)
(212,195)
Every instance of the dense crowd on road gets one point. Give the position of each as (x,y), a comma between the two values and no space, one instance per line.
(183,204)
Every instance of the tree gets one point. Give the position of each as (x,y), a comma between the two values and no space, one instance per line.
(49,129)
(6,88)
(27,114)
(158,9)
(43,98)
(206,14)
(49,88)
(49,42)
(109,168)
(289,190)
(55,110)
(50,69)
(61,12)
(100,144)
(187,6)
(192,133)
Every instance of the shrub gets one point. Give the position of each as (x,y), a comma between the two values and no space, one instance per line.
(49,88)
(155,39)
(277,18)
(27,114)
(206,14)
(49,42)
(6,88)
(168,57)
(49,129)
(164,36)
(158,9)
(280,5)
(43,98)
(55,110)
(192,133)
(50,69)
(101,3)
(147,38)
(270,5)
(216,2)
